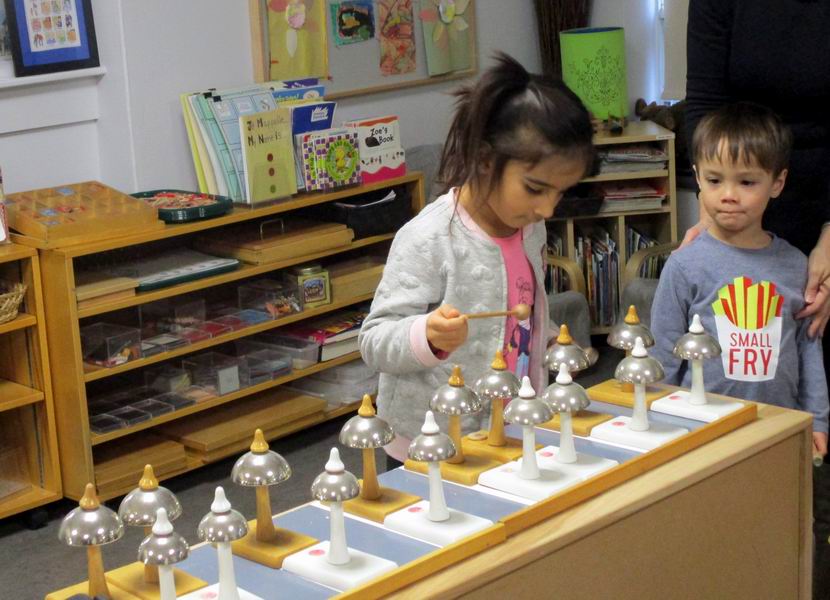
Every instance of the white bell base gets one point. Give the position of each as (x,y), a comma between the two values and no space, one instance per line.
(414,522)
(677,404)
(585,467)
(506,478)
(616,431)
(211,592)
(312,564)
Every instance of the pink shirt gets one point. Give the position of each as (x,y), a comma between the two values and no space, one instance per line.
(521,289)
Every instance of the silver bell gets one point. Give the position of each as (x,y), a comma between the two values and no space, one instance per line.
(431,445)
(696,344)
(138,508)
(261,466)
(366,430)
(163,546)
(91,523)
(498,383)
(527,409)
(222,523)
(455,398)
(565,351)
(639,367)
(624,334)
(564,395)
(335,484)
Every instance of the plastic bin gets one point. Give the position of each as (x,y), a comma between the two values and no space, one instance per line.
(109,345)
(277,298)
(336,393)
(303,353)
(167,379)
(216,373)
(349,374)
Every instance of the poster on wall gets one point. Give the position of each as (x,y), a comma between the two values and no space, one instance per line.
(5,39)
(446,32)
(397,37)
(51,35)
(297,39)
(352,22)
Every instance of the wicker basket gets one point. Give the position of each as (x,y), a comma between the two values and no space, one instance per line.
(11,294)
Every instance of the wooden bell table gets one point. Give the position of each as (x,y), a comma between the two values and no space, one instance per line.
(730,519)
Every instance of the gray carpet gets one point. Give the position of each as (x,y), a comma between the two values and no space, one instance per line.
(35,563)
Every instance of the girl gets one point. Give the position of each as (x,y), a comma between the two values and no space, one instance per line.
(516,144)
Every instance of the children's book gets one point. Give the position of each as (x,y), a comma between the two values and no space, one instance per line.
(330,158)
(268,155)
(305,118)
(227,107)
(210,132)
(381,154)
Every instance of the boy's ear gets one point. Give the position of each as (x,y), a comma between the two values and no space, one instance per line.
(778,184)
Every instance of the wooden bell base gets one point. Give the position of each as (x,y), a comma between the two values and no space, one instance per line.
(465,473)
(611,391)
(476,444)
(583,421)
(377,510)
(271,554)
(83,588)
(130,578)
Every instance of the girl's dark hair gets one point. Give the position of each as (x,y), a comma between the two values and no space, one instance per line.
(509,114)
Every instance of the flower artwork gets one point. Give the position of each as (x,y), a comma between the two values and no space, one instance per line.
(397,36)
(446,35)
(297,39)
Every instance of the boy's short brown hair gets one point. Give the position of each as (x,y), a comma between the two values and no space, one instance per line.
(751,133)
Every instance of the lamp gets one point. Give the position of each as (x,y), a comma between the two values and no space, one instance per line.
(593,66)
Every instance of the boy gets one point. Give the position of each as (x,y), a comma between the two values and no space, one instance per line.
(746,284)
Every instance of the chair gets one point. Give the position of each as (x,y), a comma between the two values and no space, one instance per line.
(638,290)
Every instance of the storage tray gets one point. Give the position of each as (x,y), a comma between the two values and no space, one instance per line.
(215,205)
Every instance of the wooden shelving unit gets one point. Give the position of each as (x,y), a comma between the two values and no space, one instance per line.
(29,466)
(659,223)
(86,456)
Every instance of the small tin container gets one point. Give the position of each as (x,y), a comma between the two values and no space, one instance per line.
(313,283)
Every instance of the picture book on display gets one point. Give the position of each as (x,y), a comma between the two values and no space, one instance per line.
(306,118)
(267,155)
(381,154)
(329,158)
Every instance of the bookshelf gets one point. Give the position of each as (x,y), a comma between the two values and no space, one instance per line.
(655,225)
(29,467)
(107,458)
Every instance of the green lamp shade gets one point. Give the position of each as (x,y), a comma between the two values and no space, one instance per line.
(593,66)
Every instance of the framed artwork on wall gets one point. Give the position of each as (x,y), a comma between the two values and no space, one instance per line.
(47,36)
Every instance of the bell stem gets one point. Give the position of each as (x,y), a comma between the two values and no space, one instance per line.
(338,551)
(698,393)
(639,418)
(495,437)
(530,467)
(370,490)
(167,584)
(265,530)
(227,577)
(455,436)
(95,568)
(437,503)
(567,451)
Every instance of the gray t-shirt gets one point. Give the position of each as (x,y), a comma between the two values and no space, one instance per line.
(747,299)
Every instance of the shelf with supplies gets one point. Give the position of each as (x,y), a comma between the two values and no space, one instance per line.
(29,466)
(604,224)
(102,443)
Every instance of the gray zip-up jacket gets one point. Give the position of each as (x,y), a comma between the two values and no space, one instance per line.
(442,257)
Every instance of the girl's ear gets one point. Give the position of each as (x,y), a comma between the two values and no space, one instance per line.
(778,184)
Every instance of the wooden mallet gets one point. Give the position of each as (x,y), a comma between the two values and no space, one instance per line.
(520,312)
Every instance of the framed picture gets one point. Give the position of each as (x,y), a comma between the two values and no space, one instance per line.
(47,36)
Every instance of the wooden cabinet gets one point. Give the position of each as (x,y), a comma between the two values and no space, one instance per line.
(660,224)
(29,469)
(87,456)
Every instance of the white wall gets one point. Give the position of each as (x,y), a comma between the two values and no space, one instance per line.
(639,19)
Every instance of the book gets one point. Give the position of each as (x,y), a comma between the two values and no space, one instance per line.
(379,143)
(305,118)
(330,329)
(267,155)
(330,158)
(337,349)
